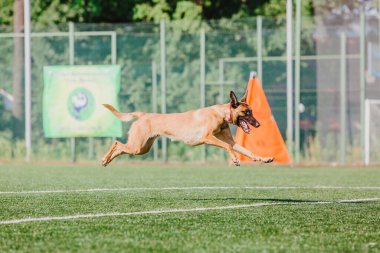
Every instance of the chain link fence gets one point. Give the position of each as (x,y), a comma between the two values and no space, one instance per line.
(333,65)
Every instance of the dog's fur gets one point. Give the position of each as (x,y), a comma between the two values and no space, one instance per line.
(209,125)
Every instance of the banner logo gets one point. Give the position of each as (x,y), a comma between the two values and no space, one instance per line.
(72,101)
(81,104)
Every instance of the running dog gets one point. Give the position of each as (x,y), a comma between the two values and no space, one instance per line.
(209,125)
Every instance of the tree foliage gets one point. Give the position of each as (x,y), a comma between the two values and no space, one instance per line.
(6,12)
(111,11)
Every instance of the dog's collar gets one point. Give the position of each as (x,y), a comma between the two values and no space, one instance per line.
(229,114)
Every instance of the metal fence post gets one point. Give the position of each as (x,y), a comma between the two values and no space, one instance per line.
(71,60)
(28,88)
(203,78)
(221,91)
(113,48)
(259,46)
(221,81)
(202,68)
(289,77)
(343,98)
(113,56)
(113,62)
(297,82)
(367,132)
(362,82)
(90,147)
(163,83)
(154,104)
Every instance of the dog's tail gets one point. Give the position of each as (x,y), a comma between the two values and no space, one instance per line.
(124,116)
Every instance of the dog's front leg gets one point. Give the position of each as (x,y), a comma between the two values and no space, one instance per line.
(212,140)
(249,154)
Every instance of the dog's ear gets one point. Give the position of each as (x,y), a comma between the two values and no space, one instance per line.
(234,100)
(244,98)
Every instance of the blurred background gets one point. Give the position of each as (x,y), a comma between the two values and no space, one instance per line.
(182,55)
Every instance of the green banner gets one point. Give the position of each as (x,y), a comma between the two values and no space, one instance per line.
(73,98)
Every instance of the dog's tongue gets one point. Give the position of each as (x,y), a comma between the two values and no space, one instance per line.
(244,126)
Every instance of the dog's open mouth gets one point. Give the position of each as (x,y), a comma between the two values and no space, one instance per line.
(244,125)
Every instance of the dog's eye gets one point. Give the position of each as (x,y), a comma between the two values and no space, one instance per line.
(247,112)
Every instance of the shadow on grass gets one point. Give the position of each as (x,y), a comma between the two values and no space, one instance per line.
(280,200)
(255,200)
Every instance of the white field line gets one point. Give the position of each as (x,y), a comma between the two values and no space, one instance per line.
(197,188)
(197,209)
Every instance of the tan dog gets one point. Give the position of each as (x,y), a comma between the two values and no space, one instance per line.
(207,125)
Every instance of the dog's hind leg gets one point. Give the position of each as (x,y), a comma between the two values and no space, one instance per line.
(140,139)
(112,153)
(118,149)
(138,148)
(139,142)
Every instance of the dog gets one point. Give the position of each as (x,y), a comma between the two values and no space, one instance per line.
(209,125)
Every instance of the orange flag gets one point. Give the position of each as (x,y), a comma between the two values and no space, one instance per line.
(266,140)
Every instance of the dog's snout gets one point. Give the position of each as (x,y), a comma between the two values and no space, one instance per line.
(257,124)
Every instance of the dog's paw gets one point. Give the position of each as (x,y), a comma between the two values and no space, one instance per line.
(104,162)
(236,162)
(268,160)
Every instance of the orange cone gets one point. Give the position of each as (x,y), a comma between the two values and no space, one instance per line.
(265,141)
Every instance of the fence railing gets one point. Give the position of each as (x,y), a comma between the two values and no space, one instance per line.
(185,68)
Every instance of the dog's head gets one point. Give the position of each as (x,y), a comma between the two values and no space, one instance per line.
(241,113)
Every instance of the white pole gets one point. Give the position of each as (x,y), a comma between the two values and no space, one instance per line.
(203,68)
(343,98)
(163,83)
(113,48)
(27,72)
(221,81)
(369,57)
(259,47)
(366,132)
(202,60)
(71,60)
(289,76)
(297,82)
(221,91)
(113,56)
(362,79)
(71,43)
(154,104)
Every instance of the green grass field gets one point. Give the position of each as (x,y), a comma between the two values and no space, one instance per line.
(292,209)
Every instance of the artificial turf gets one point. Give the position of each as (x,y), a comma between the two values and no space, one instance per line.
(296,225)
